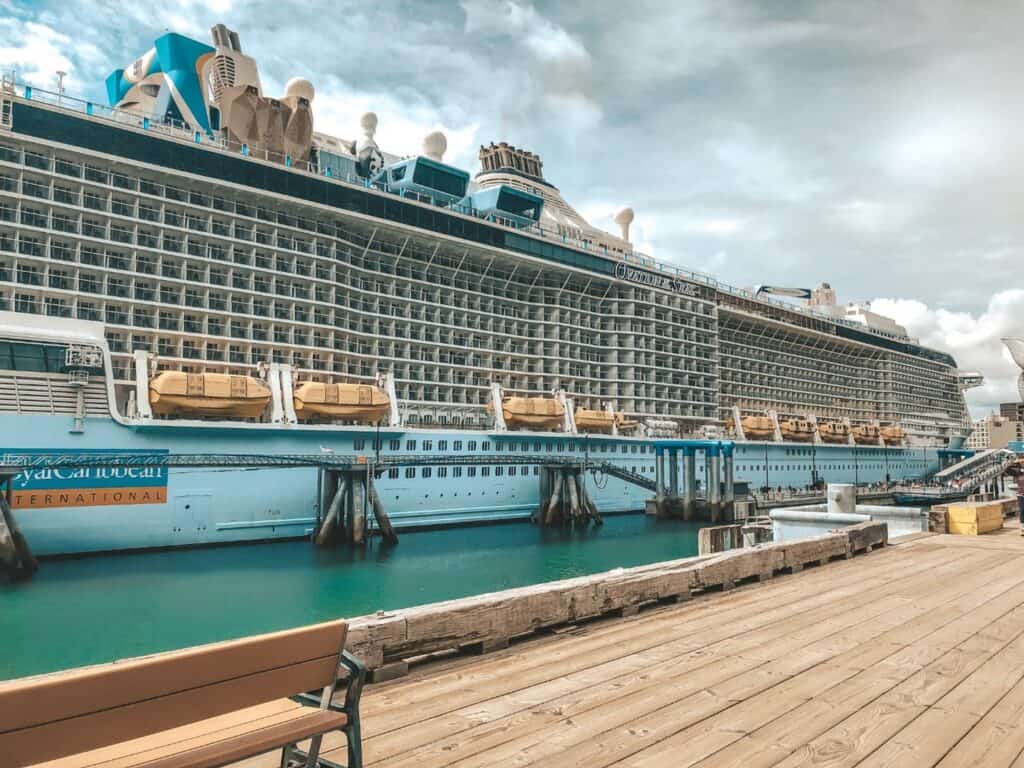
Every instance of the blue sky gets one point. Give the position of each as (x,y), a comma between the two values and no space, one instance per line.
(873,145)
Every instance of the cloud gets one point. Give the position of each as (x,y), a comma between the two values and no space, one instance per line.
(973,339)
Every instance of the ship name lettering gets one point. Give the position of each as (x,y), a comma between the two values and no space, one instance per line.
(624,272)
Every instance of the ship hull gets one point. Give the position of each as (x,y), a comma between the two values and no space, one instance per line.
(101,510)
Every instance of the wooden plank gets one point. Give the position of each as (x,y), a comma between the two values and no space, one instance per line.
(112,756)
(55,739)
(530,668)
(686,746)
(565,659)
(37,700)
(631,703)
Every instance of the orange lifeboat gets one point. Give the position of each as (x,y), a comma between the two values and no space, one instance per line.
(595,421)
(174,393)
(363,403)
(834,432)
(602,421)
(532,412)
(866,434)
(798,430)
(892,435)
(758,427)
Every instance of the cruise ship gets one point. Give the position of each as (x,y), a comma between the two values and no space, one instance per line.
(194,268)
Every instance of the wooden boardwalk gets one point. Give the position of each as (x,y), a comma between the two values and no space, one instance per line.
(909,656)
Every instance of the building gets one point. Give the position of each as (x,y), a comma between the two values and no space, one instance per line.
(995,431)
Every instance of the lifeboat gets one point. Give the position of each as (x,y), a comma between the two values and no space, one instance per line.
(834,432)
(349,402)
(798,430)
(532,412)
(892,435)
(758,427)
(173,393)
(866,434)
(602,421)
(595,421)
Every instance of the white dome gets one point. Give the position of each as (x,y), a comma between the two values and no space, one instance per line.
(434,145)
(299,88)
(368,122)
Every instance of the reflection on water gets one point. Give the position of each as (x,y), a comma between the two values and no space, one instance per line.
(97,609)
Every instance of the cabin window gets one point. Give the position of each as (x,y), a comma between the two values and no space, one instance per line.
(410,472)
(410,445)
(428,445)
(485,471)
(472,445)
(486,445)
(394,445)
(427,471)
(358,445)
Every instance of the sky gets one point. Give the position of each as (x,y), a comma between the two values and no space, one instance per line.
(872,145)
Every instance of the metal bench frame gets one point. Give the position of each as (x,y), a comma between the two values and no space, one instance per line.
(293,757)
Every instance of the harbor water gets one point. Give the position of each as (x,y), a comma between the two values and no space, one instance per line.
(98,609)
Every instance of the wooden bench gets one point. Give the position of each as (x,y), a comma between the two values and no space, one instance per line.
(202,707)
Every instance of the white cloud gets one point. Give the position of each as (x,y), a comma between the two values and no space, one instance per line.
(973,339)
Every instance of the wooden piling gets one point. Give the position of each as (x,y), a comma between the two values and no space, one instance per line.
(330,525)
(553,502)
(359,511)
(17,557)
(387,531)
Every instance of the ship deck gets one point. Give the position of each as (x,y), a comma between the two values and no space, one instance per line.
(910,656)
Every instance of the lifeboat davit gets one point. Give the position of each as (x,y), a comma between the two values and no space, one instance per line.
(174,393)
(866,434)
(364,403)
(758,427)
(834,432)
(798,430)
(602,421)
(892,435)
(532,412)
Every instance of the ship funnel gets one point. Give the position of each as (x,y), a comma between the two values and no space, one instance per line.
(1016,347)
(434,146)
(624,218)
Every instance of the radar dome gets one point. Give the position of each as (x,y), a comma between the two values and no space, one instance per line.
(624,218)
(434,145)
(368,123)
(299,88)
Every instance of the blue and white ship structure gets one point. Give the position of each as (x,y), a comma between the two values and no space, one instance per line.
(199,234)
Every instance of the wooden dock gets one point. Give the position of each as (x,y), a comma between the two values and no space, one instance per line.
(913,655)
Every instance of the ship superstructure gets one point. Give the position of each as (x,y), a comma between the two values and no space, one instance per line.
(247,240)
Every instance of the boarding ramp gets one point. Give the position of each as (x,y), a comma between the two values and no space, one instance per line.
(978,469)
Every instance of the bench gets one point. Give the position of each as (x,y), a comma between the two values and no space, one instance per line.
(202,707)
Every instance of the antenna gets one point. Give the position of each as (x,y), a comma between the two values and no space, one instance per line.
(61,74)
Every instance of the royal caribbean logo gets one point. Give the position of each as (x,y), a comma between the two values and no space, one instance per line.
(42,487)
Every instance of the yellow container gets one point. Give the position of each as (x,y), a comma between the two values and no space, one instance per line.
(973,518)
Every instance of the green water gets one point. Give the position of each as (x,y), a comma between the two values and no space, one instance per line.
(92,610)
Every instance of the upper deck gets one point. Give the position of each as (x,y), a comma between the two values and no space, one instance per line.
(84,124)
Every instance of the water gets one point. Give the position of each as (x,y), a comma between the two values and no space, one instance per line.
(93,610)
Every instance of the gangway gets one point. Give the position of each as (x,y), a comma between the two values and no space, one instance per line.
(964,465)
(959,480)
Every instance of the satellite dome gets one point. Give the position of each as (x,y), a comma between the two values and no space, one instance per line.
(434,145)
(368,123)
(299,88)
(624,218)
